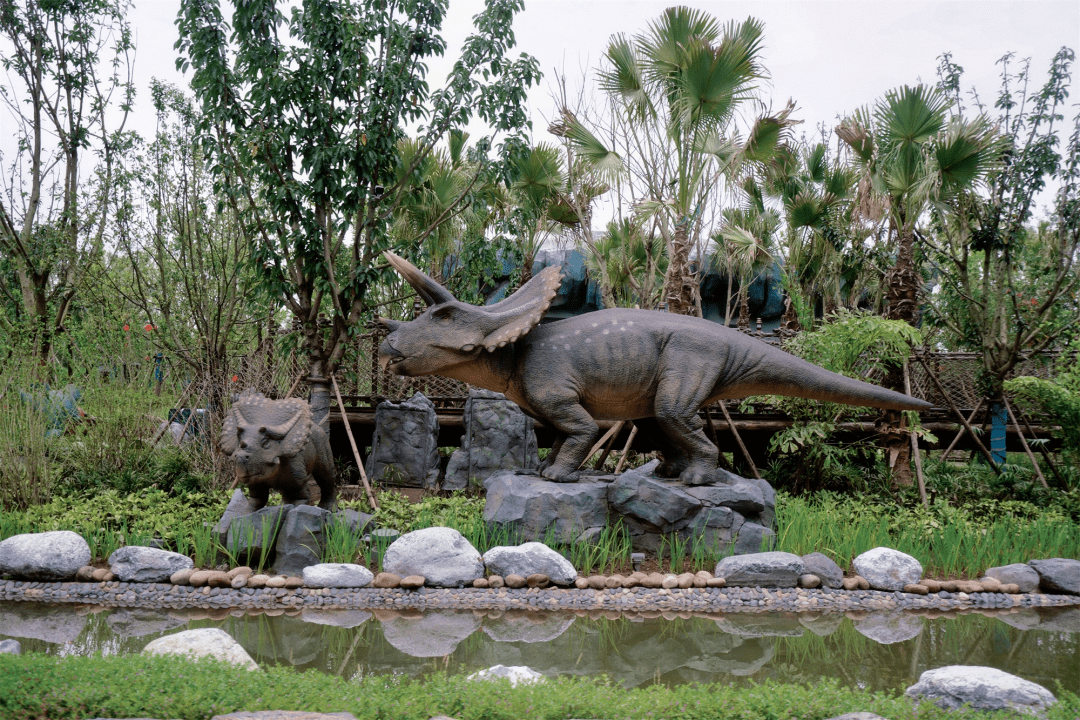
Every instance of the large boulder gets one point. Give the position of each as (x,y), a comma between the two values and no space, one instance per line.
(203,642)
(983,688)
(827,571)
(1058,575)
(46,556)
(527,559)
(659,505)
(405,446)
(239,504)
(768,569)
(888,569)
(754,538)
(337,575)
(356,522)
(251,537)
(530,507)
(300,541)
(433,634)
(441,555)
(498,436)
(146,564)
(1020,574)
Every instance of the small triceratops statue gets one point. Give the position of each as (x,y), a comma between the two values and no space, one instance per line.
(275,445)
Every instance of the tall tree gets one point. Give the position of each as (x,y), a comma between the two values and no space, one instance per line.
(304,113)
(70,67)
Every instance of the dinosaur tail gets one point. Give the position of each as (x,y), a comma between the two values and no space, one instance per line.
(776,372)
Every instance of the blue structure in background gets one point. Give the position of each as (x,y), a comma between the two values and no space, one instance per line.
(999,417)
(58,408)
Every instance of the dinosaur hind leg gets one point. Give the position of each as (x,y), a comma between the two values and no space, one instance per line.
(677,403)
(675,458)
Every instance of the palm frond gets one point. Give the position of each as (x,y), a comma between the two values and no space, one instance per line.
(967,152)
(910,115)
(603,161)
(625,79)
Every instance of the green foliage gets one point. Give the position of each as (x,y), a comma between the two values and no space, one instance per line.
(35,686)
(1059,399)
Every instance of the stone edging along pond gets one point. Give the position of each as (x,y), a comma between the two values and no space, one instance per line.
(623,600)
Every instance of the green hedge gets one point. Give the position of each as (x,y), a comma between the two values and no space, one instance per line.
(39,686)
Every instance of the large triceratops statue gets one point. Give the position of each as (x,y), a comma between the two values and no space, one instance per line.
(275,445)
(651,367)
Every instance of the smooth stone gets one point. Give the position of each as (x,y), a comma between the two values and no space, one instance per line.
(386,580)
(887,569)
(182,577)
(527,559)
(1020,574)
(809,581)
(203,642)
(85,573)
(825,568)
(983,688)
(514,581)
(146,564)
(768,569)
(442,555)
(414,582)
(337,575)
(537,580)
(47,556)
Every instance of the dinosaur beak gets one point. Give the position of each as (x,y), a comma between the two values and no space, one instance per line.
(388,354)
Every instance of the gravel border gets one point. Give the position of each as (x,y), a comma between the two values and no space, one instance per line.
(639,599)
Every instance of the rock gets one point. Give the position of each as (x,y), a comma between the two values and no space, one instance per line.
(136,622)
(670,582)
(300,541)
(968,586)
(516,674)
(825,568)
(515,581)
(716,582)
(850,583)
(1021,574)
(337,575)
(146,564)
(581,583)
(983,688)
(531,507)
(861,583)
(931,585)
(496,581)
(413,582)
(335,618)
(218,579)
(442,555)
(239,581)
(615,581)
(527,627)
(40,621)
(887,569)
(251,538)
(1010,589)
(917,589)
(659,505)
(431,634)
(10,647)
(293,582)
(809,581)
(990,584)
(239,504)
(204,642)
(498,436)
(85,573)
(537,580)
(275,582)
(754,538)
(768,569)
(257,581)
(529,558)
(743,497)
(46,556)
(889,628)
(405,445)
(481,583)
(386,580)
(1056,575)
(242,570)
(199,578)
(357,523)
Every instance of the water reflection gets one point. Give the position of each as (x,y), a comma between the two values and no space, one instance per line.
(872,650)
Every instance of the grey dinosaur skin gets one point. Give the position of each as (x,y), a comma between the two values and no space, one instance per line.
(275,445)
(618,364)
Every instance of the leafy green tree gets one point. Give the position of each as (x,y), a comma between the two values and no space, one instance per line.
(304,114)
(69,67)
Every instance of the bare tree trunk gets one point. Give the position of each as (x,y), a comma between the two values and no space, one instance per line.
(901,303)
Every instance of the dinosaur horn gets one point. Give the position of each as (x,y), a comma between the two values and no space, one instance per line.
(277,432)
(432,292)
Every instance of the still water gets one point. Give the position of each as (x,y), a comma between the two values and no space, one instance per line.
(878,651)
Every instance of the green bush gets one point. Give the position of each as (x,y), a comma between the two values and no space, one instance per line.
(38,686)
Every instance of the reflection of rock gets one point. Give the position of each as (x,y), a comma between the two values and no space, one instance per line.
(984,688)
(135,622)
(10,647)
(434,634)
(1065,619)
(202,642)
(529,627)
(516,674)
(38,621)
(283,639)
(336,618)
(1024,618)
(888,628)
(821,623)
(761,624)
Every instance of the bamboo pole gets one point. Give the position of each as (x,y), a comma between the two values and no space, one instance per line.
(1043,450)
(626,448)
(967,426)
(607,451)
(293,387)
(352,443)
(915,454)
(183,397)
(1023,444)
(612,431)
(956,438)
(738,439)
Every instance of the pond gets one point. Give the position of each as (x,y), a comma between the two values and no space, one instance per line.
(876,651)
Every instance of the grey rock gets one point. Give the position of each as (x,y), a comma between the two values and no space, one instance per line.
(527,627)
(530,506)
(39,621)
(828,572)
(357,523)
(203,642)
(887,569)
(498,436)
(889,628)
(10,647)
(405,447)
(433,634)
(743,497)
(983,688)
(251,538)
(239,504)
(714,528)
(761,624)
(1021,574)
(753,538)
(659,504)
(300,541)
(55,555)
(335,618)
(337,575)
(516,674)
(442,555)
(146,565)
(1058,575)
(768,569)
(136,622)
(527,559)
